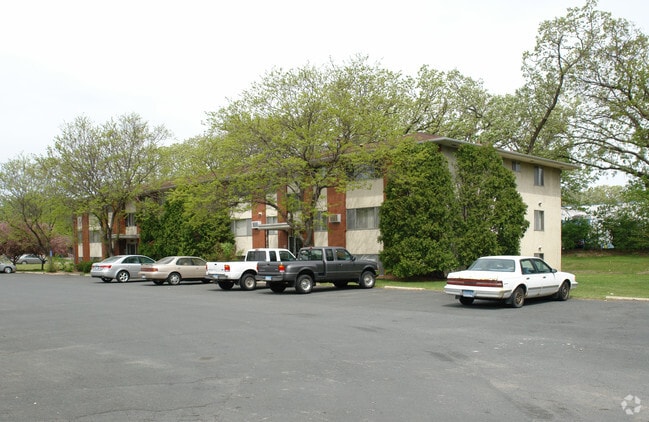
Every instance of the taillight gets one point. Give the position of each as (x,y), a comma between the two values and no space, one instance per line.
(477,283)
(226,267)
(281,268)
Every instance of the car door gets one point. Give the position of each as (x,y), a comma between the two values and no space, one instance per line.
(342,268)
(197,268)
(549,281)
(132,265)
(532,278)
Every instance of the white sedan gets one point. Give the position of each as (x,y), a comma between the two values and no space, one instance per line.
(509,278)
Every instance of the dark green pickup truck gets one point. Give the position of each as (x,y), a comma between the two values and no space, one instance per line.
(318,264)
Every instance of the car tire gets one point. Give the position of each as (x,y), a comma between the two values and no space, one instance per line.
(277,287)
(106,279)
(248,282)
(7,270)
(123,276)
(466,300)
(226,285)
(158,282)
(174,279)
(367,280)
(564,291)
(304,284)
(517,299)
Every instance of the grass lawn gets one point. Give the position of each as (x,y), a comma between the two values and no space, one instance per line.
(598,274)
(608,274)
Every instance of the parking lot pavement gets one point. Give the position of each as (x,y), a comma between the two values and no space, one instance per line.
(74,348)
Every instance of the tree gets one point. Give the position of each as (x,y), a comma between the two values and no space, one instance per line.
(576,232)
(32,208)
(417,218)
(173,228)
(297,133)
(492,211)
(444,103)
(586,88)
(103,168)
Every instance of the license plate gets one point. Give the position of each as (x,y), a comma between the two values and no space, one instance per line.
(268,277)
(468,293)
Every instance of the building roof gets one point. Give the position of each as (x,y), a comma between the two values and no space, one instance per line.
(517,156)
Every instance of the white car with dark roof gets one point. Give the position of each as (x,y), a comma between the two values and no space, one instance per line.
(509,278)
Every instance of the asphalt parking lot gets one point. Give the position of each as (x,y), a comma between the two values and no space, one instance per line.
(75,349)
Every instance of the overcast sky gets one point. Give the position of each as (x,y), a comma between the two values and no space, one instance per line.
(172,61)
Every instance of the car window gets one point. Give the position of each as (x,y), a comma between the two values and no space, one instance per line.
(498,264)
(130,260)
(542,267)
(330,254)
(286,256)
(310,255)
(527,267)
(197,261)
(146,260)
(343,255)
(184,261)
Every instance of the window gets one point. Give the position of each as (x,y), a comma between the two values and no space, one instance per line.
(271,220)
(320,222)
(94,236)
(343,255)
(539,220)
(516,166)
(242,227)
(363,218)
(538,176)
(130,219)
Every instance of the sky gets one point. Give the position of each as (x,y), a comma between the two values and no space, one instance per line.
(171,62)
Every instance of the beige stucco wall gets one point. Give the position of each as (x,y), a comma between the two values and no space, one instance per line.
(365,242)
(546,198)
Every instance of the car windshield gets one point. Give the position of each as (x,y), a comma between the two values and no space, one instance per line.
(112,258)
(166,260)
(493,264)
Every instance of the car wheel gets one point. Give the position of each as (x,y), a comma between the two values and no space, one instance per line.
(466,300)
(7,270)
(340,284)
(123,276)
(174,278)
(106,279)
(518,297)
(367,280)
(158,282)
(226,285)
(248,282)
(564,291)
(304,284)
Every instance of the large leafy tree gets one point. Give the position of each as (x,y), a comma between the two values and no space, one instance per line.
(101,168)
(444,103)
(175,228)
(418,216)
(32,208)
(300,132)
(491,209)
(585,98)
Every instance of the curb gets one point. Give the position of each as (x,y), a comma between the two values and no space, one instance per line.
(403,288)
(639,299)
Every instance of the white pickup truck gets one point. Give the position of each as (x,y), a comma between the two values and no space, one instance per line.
(227,274)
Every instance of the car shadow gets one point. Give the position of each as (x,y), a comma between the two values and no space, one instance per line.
(499,304)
